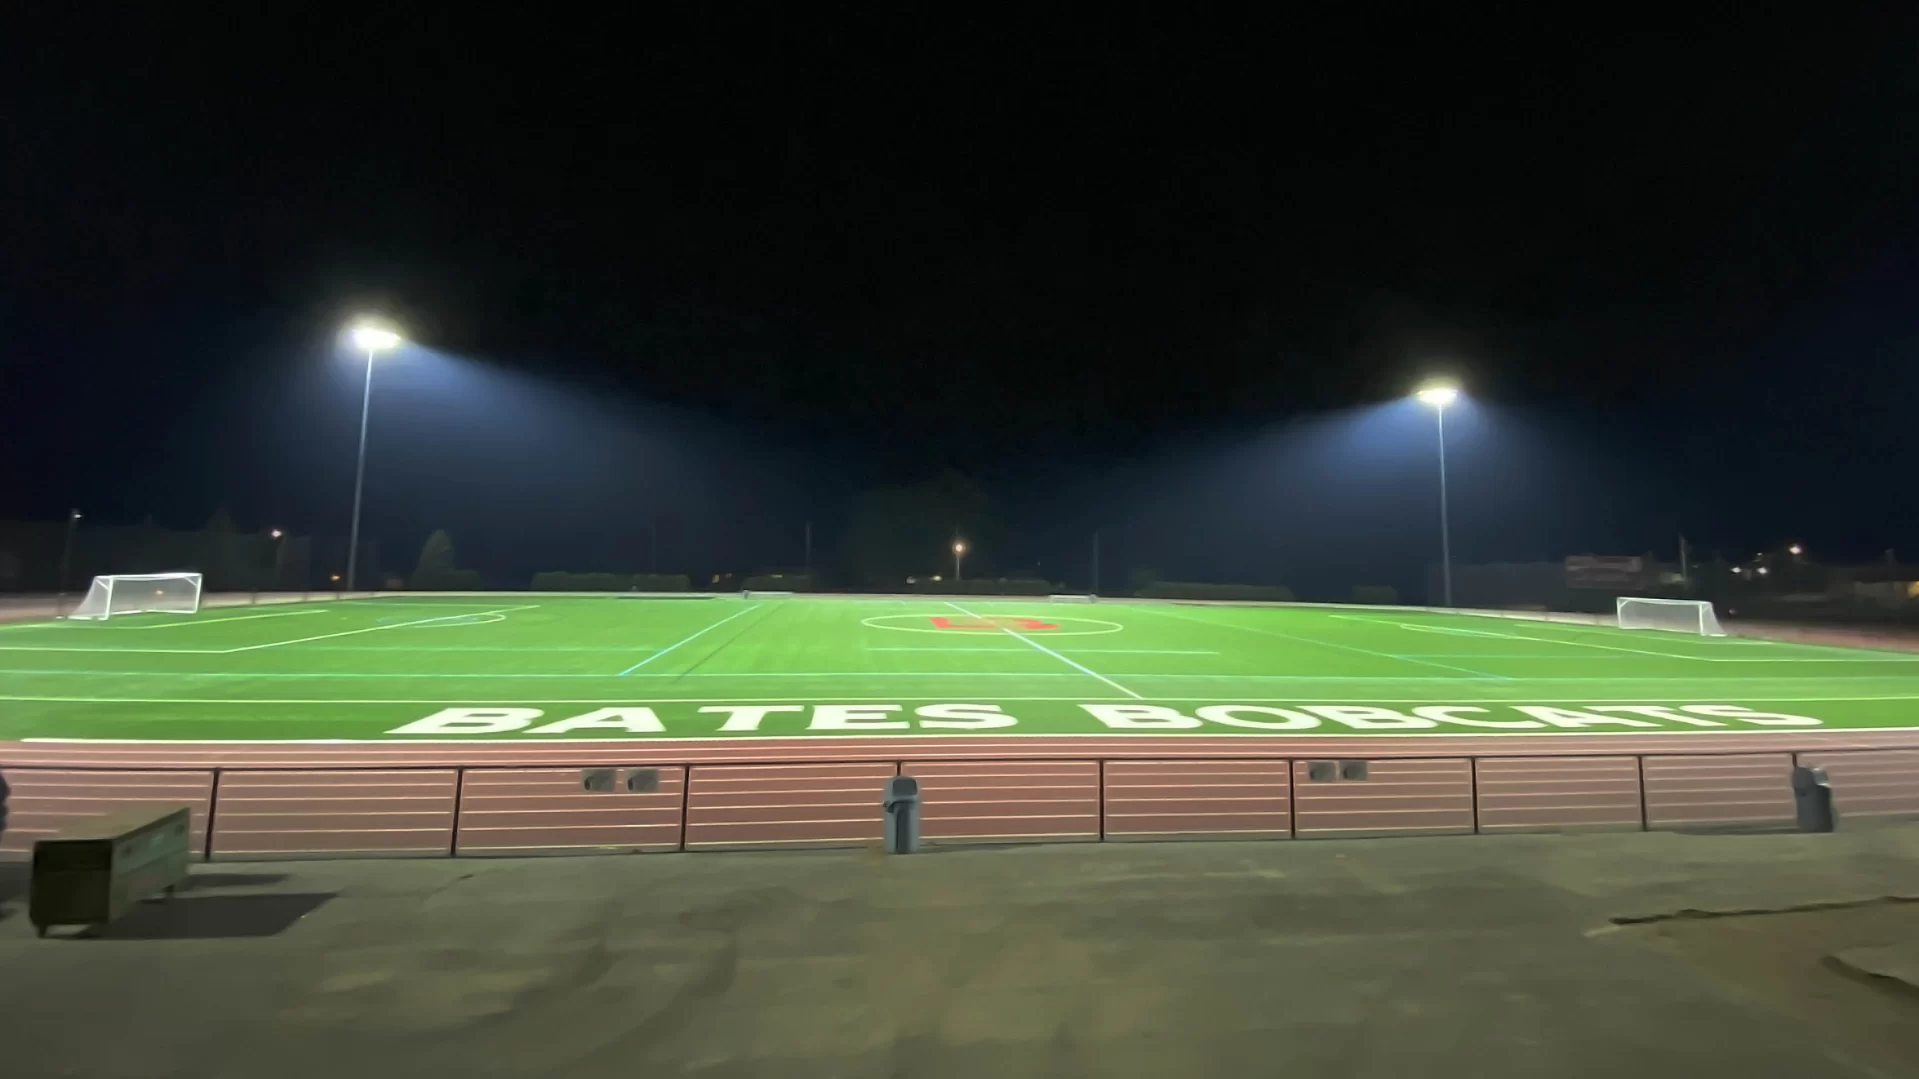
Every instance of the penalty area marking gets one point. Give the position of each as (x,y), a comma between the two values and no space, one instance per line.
(369,629)
(879,621)
(481,619)
(195,620)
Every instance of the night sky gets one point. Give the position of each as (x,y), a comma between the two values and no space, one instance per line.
(1127,267)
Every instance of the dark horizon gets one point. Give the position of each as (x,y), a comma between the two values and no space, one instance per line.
(1168,277)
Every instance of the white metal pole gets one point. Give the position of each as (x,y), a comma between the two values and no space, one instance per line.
(359,477)
(1445,532)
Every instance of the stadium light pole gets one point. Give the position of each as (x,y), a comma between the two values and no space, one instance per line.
(1437,396)
(959,549)
(372,338)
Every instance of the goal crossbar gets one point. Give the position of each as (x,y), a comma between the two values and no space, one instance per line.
(1676,615)
(139,593)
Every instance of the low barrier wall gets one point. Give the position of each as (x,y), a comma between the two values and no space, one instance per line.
(295,802)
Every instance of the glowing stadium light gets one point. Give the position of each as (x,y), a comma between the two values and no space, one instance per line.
(275,533)
(959,549)
(1437,394)
(372,337)
(1795,549)
(1762,571)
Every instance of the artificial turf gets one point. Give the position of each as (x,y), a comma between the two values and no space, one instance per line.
(550,667)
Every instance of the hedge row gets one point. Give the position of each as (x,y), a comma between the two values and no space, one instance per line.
(779,582)
(986,586)
(446,580)
(1268,593)
(561,581)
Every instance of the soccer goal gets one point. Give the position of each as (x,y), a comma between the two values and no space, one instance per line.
(1680,615)
(137,593)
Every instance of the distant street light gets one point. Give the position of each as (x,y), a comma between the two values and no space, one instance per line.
(1795,550)
(959,550)
(279,555)
(372,338)
(1437,395)
(66,564)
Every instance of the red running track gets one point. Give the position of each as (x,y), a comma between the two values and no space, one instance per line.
(269,800)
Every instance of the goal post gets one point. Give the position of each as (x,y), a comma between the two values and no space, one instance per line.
(1678,615)
(139,593)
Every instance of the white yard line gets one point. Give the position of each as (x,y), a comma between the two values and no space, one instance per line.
(106,651)
(897,698)
(199,621)
(371,629)
(1050,652)
(1330,644)
(1441,740)
(693,636)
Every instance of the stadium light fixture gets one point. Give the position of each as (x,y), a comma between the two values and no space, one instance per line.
(275,533)
(1762,571)
(1795,550)
(371,337)
(1437,394)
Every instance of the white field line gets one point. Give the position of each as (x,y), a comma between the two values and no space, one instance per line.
(1055,655)
(1074,651)
(896,698)
(693,636)
(371,629)
(198,621)
(1690,679)
(114,651)
(1333,645)
(1590,631)
(970,741)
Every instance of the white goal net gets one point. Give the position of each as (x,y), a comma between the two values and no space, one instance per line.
(1680,615)
(177,593)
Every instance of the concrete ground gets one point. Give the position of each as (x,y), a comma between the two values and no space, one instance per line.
(1486,957)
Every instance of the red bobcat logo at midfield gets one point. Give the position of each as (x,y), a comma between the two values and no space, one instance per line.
(971,622)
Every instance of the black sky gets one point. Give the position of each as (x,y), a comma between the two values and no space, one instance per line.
(1047,246)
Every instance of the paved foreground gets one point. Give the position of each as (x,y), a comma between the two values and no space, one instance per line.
(1386,958)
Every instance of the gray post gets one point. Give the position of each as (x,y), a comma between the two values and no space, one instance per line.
(1812,800)
(901,804)
(1445,532)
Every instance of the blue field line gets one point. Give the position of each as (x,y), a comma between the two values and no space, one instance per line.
(691,637)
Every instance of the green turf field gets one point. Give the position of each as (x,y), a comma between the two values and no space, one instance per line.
(550,667)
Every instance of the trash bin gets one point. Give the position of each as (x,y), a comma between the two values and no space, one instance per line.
(901,804)
(1812,800)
